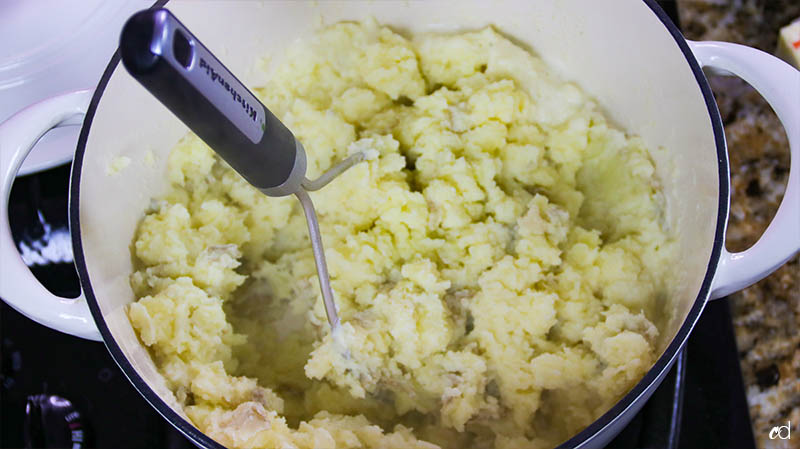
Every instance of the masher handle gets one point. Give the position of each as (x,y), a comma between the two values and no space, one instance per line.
(170,62)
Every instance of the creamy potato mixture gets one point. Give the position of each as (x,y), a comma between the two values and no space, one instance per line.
(498,263)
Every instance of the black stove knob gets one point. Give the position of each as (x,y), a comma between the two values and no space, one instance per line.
(53,422)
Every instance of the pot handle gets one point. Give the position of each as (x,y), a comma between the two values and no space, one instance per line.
(779,83)
(19,288)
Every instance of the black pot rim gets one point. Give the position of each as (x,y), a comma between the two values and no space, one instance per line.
(587,434)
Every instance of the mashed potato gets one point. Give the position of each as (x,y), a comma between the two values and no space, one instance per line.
(497,264)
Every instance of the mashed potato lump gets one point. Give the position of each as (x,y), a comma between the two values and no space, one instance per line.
(498,262)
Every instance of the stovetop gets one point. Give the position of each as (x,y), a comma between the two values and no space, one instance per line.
(62,391)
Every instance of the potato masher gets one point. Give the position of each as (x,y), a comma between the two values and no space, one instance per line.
(170,62)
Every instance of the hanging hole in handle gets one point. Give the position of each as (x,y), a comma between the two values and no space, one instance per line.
(758,149)
(183,49)
(38,218)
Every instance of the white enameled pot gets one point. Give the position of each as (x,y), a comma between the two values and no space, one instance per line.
(625,53)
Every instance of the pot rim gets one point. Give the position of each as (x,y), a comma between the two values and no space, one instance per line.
(636,394)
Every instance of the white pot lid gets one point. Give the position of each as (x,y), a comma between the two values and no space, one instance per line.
(55,46)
